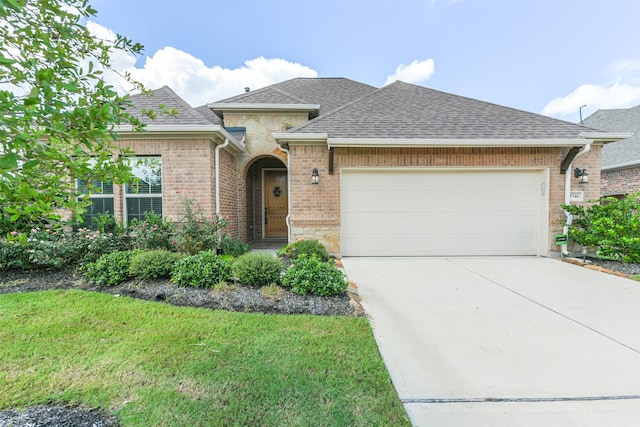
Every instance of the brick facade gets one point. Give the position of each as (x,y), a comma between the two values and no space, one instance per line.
(620,182)
(315,209)
(188,171)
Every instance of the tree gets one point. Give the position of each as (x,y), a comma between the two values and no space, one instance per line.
(58,115)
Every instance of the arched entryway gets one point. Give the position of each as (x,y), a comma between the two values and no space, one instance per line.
(267,199)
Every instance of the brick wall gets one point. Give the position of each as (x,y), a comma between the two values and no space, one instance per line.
(315,209)
(188,172)
(620,182)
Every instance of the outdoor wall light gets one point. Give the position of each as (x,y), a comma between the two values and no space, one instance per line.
(315,179)
(582,175)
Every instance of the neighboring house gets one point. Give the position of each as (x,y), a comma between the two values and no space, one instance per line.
(621,159)
(401,170)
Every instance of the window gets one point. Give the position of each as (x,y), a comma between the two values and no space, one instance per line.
(101,201)
(145,193)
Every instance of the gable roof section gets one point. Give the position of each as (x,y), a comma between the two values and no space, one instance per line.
(188,123)
(406,111)
(187,115)
(209,115)
(327,93)
(624,153)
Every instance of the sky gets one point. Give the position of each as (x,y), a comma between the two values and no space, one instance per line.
(544,56)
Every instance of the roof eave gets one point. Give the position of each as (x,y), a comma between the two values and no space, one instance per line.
(452,143)
(605,137)
(183,132)
(261,107)
(618,166)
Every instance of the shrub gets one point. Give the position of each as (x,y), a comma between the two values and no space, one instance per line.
(110,269)
(106,223)
(258,269)
(203,270)
(156,264)
(198,232)
(310,275)
(39,248)
(91,245)
(153,233)
(235,247)
(305,247)
(613,226)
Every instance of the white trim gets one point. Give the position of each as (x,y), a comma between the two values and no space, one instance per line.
(451,143)
(627,165)
(606,136)
(300,137)
(183,132)
(264,199)
(239,106)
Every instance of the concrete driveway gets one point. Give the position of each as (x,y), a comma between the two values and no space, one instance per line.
(505,341)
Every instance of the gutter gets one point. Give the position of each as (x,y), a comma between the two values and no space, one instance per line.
(185,131)
(567,194)
(287,220)
(217,166)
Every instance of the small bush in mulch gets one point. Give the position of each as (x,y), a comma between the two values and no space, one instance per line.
(110,269)
(156,264)
(258,269)
(203,270)
(305,247)
(310,275)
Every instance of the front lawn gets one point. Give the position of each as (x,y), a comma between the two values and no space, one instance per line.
(155,364)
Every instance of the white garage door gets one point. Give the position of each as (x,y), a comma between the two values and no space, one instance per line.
(438,213)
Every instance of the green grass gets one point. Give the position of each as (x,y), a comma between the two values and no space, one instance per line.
(154,364)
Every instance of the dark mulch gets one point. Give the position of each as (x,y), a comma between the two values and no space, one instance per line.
(233,298)
(629,269)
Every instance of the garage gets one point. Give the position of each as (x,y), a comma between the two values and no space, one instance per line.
(442,212)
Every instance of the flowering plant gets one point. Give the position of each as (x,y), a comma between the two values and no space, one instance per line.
(153,233)
(198,232)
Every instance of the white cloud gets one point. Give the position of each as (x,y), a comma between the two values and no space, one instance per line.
(416,72)
(192,79)
(622,92)
(198,84)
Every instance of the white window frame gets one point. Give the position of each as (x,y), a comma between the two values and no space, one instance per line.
(126,194)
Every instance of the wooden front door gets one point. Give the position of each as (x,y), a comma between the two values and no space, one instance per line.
(276,203)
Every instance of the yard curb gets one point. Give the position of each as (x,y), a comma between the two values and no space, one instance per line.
(577,262)
(352,291)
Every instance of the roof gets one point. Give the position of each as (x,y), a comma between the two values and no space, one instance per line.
(624,153)
(403,110)
(187,115)
(330,93)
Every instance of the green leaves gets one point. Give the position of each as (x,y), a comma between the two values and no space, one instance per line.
(613,226)
(58,114)
(8,161)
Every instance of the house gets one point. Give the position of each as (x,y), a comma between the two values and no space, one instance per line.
(401,170)
(621,159)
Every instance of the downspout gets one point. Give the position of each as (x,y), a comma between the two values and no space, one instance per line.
(567,195)
(217,166)
(288,218)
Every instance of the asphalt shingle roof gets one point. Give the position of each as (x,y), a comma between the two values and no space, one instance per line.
(329,93)
(187,115)
(626,151)
(403,110)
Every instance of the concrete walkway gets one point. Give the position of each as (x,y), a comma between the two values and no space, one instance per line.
(509,341)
